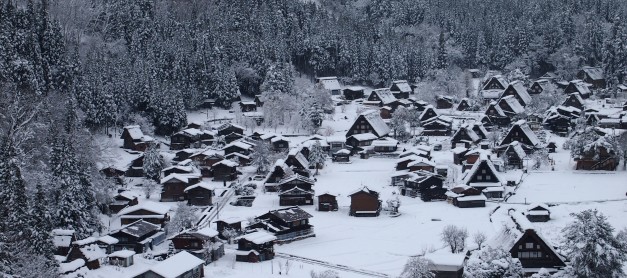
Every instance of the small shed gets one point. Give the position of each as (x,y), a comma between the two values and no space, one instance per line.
(354,92)
(365,202)
(342,155)
(123,258)
(538,213)
(446,265)
(199,194)
(327,202)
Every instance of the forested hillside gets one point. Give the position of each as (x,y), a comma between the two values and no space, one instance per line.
(73,69)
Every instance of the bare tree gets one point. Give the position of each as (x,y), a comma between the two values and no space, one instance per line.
(149,187)
(479,238)
(455,237)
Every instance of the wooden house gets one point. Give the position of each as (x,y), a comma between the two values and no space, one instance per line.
(358,141)
(278,171)
(227,128)
(382,97)
(438,126)
(327,202)
(93,255)
(463,105)
(330,84)
(574,100)
(421,164)
(122,258)
(534,253)
(173,186)
(295,180)
(482,175)
(230,223)
(369,122)
(511,106)
(365,202)
(579,87)
(495,115)
(255,247)
(139,236)
(202,243)
(427,114)
(552,147)
(354,92)
(598,155)
(521,132)
(444,102)
(550,76)
(232,137)
(492,88)
(200,194)
(178,169)
(225,170)
(298,163)
(446,265)
(465,136)
(106,243)
(296,196)
(136,167)
(518,91)
(280,144)
(205,160)
(152,212)
(134,138)
(425,185)
(539,86)
(242,160)
(466,197)
(400,89)
(287,224)
(182,155)
(187,138)
(538,213)
(62,240)
(592,75)
(384,145)
(247,106)
(386,112)
(514,155)
(560,119)
(121,200)
(181,265)
(342,155)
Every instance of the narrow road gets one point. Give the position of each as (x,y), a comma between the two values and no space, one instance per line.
(332,265)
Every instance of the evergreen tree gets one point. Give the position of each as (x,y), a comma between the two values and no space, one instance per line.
(592,248)
(442,58)
(317,156)
(153,162)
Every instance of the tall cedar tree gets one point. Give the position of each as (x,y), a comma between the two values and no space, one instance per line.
(153,162)
(317,156)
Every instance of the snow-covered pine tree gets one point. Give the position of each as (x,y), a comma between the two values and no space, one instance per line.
(153,162)
(593,250)
(184,218)
(261,157)
(417,267)
(226,89)
(317,156)
(442,59)
(41,224)
(74,198)
(398,122)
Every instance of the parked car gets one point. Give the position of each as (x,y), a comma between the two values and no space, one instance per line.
(437,147)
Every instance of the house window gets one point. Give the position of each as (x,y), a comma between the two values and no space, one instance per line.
(195,244)
(483,171)
(480,177)
(529,245)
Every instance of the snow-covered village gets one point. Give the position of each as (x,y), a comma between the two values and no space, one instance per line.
(313,138)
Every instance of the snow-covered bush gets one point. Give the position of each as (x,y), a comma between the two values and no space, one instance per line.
(417,267)
(490,262)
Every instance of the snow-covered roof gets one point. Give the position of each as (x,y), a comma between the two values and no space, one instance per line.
(423,161)
(594,73)
(513,103)
(93,252)
(188,169)
(180,177)
(177,265)
(239,144)
(364,189)
(226,162)
(191,132)
(259,237)
(208,186)
(517,147)
(471,133)
(498,78)
(71,266)
(108,240)
(402,85)
(483,160)
(491,94)
(364,136)
(355,88)
(385,95)
(230,220)
(122,254)
(521,91)
(387,142)
(146,205)
(528,132)
(138,228)
(297,177)
(343,151)
(85,241)
(581,86)
(295,191)
(267,136)
(329,83)
(207,231)
(446,262)
(135,132)
(479,197)
(278,138)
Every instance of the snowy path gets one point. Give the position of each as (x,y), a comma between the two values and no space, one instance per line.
(332,265)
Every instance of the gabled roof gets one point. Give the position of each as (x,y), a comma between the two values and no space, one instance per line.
(576,97)
(177,265)
(402,85)
(491,94)
(519,88)
(226,162)
(329,83)
(291,214)
(227,125)
(302,160)
(278,138)
(513,104)
(471,133)
(146,205)
(517,148)
(581,87)
(483,160)
(496,78)
(364,136)
(135,132)
(296,191)
(297,177)
(239,144)
(377,123)
(190,132)
(180,177)
(481,128)
(594,73)
(138,228)
(421,160)
(385,95)
(496,108)
(424,113)
(366,190)
(527,131)
(259,237)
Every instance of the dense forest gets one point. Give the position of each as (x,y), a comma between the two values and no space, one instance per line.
(69,69)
